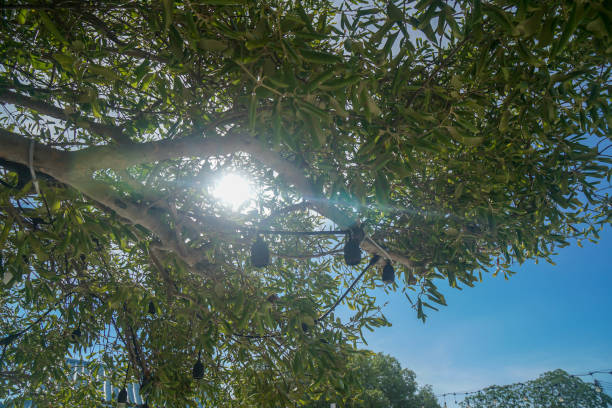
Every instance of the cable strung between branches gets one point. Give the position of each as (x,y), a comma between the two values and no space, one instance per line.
(286,232)
(374,259)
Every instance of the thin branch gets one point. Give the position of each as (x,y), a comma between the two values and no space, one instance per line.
(113,132)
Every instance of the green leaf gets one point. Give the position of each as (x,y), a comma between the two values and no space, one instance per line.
(382,189)
(224,2)
(102,71)
(49,25)
(547,33)
(394,12)
(168,13)
(65,60)
(211,44)
(460,136)
(318,57)
(317,80)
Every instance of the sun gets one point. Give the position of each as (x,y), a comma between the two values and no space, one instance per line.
(233,190)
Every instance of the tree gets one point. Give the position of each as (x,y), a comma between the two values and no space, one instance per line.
(380,382)
(552,389)
(478,142)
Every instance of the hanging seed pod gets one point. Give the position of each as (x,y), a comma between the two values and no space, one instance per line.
(198,370)
(152,310)
(122,398)
(260,254)
(352,252)
(388,273)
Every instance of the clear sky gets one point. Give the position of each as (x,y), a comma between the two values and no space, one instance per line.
(499,332)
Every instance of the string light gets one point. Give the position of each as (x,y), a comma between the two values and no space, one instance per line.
(152,310)
(260,253)
(352,251)
(198,368)
(388,274)
(596,383)
(122,398)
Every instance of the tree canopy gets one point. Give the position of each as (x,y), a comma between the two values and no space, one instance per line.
(381,382)
(552,389)
(450,139)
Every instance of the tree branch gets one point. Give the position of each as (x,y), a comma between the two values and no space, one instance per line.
(110,131)
(69,167)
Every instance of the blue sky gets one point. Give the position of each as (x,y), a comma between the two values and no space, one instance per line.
(545,317)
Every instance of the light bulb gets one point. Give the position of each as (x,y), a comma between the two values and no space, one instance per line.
(352,252)
(122,398)
(198,370)
(388,274)
(260,254)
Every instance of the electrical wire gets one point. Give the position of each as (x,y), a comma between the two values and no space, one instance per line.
(590,373)
(373,260)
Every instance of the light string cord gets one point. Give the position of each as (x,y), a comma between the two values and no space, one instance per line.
(590,373)
(374,259)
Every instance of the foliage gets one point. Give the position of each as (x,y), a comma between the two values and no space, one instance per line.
(463,137)
(380,382)
(552,389)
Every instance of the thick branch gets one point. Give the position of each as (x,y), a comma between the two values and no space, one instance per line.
(59,165)
(64,165)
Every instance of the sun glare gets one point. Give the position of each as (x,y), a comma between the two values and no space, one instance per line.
(233,190)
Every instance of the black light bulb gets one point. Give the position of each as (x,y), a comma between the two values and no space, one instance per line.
(152,310)
(260,254)
(122,397)
(388,273)
(352,252)
(198,370)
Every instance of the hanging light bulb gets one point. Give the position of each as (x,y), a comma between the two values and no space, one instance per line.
(152,309)
(198,370)
(260,254)
(122,398)
(352,252)
(388,273)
